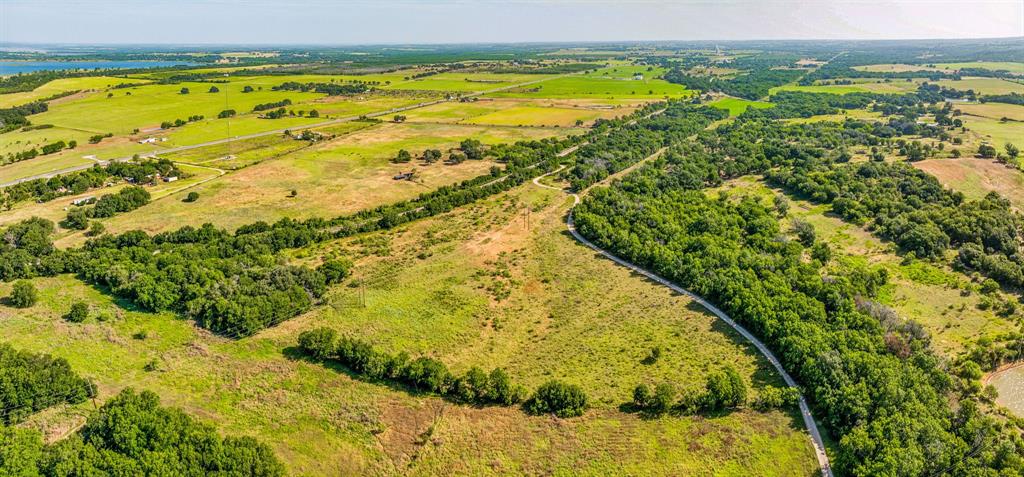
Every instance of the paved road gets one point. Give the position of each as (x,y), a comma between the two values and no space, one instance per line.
(58,172)
(805,411)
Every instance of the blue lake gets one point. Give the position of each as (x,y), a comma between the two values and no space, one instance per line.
(15,67)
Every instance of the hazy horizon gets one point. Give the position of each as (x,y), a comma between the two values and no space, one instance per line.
(397,22)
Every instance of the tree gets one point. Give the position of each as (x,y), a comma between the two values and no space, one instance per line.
(403,156)
(78,313)
(431,156)
(987,151)
(399,118)
(724,389)
(191,197)
(804,232)
(472,148)
(247,89)
(1012,151)
(23,294)
(314,113)
(96,229)
(214,89)
(320,342)
(558,398)
(184,91)
(227,113)
(77,219)
(334,271)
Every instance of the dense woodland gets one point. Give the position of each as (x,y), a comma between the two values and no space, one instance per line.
(131,434)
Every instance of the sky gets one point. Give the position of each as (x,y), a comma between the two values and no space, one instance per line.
(343,22)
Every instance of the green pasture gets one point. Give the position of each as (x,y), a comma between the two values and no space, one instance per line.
(596,87)
(984,85)
(737,106)
(60,86)
(147,106)
(466,82)
(19,140)
(892,87)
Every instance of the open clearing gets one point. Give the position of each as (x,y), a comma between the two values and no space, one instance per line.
(984,85)
(892,87)
(567,314)
(737,106)
(993,110)
(615,85)
(1010,66)
(977,177)
(1009,383)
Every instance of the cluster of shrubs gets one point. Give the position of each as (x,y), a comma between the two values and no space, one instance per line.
(274,105)
(430,375)
(423,373)
(108,205)
(723,390)
(177,123)
(330,89)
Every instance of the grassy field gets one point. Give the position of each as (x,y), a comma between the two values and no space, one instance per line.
(41,165)
(993,110)
(893,87)
(737,106)
(941,300)
(466,82)
(977,177)
(613,85)
(945,67)
(995,131)
(566,314)
(60,86)
(541,116)
(213,129)
(18,141)
(1013,67)
(345,175)
(147,106)
(984,85)
(850,113)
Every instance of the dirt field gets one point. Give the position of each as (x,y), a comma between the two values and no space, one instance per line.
(977,177)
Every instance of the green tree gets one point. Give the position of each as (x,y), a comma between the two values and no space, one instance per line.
(23,294)
(184,91)
(78,313)
(558,398)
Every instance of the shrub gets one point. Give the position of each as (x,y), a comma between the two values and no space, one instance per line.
(335,270)
(78,313)
(319,343)
(558,398)
(23,295)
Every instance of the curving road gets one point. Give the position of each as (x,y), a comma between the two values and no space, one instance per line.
(805,411)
